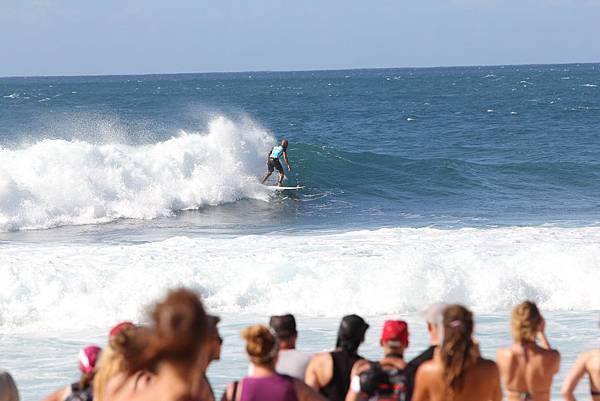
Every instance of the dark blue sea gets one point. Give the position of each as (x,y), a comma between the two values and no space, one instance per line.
(478,185)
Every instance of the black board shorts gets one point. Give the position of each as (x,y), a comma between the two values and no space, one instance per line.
(274,164)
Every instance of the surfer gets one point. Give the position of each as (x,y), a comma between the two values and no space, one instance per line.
(273,161)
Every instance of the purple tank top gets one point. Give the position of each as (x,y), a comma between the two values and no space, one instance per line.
(271,388)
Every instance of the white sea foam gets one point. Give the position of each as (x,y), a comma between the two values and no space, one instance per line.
(58,182)
(372,272)
(590,85)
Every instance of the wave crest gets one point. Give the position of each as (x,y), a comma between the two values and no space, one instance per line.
(58,182)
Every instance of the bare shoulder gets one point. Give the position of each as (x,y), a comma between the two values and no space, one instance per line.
(319,356)
(320,359)
(487,364)
(550,353)
(590,354)
(591,357)
(428,368)
(505,353)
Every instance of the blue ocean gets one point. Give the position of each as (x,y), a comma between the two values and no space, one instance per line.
(477,185)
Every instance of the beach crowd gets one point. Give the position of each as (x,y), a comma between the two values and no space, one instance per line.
(167,360)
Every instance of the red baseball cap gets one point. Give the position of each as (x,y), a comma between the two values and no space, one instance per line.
(395,331)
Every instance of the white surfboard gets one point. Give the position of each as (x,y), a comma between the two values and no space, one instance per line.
(276,188)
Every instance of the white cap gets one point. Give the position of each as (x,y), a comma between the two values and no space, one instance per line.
(435,313)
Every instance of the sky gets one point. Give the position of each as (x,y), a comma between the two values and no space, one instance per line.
(75,37)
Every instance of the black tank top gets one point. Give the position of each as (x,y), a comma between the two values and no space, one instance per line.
(337,388)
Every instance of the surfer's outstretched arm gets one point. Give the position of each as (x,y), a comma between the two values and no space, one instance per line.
(285,158)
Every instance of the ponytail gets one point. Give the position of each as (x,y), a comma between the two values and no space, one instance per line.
(458,350)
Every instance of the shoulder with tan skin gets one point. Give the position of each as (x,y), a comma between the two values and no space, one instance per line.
(506,361)
(425,380)
(587,363)
(487,378)
(319,371)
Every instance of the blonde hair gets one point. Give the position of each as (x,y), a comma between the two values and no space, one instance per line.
(111,364)
(114,358)
(261,344)
(525,321)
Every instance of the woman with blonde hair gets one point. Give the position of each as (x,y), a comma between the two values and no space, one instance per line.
(264,383)
(457,372)
(113,377)
(527,368)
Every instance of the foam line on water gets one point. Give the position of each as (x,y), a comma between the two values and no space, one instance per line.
(370,272)
(58,182)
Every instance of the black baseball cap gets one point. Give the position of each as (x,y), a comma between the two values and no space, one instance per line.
(284,326)
(352,328)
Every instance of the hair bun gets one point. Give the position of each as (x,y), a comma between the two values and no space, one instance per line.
(261,344)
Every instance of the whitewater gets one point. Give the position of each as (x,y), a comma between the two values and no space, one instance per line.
(376,272)
(59,182)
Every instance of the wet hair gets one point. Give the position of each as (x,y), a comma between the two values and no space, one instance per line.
(261,344)
(179,330)
(284,143)
(458,350)
(525,321)
(126,344)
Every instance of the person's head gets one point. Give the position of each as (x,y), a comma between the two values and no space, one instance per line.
(177,336)
(125,341)
(8,388)
(525,321)
(284,327)
(215,338)
(284,143)
(351,333)
(458,351)
(87,360)
(394,337)
(434,316)
(261,345)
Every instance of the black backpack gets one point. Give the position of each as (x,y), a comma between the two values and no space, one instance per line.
(384,384)
(77,394)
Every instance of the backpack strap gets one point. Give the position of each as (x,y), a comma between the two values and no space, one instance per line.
(235,390)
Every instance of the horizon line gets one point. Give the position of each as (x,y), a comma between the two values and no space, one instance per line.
(289,71)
